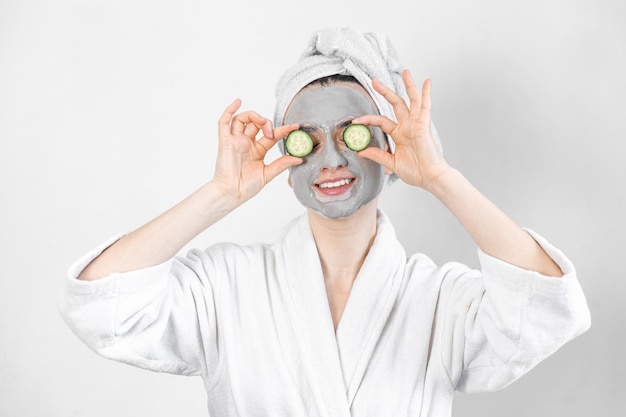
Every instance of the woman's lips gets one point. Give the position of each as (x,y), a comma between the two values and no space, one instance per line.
(334,187)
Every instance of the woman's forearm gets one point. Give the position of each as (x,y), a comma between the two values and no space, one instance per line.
(493,231)
(161,238)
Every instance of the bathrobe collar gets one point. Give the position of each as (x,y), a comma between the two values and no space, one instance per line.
(337,361)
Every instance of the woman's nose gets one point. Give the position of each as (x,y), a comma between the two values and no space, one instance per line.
(331,156)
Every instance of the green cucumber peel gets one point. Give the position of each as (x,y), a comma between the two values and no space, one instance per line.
(298,143)
(357,137)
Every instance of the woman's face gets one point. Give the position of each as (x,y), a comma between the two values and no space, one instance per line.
(333,180)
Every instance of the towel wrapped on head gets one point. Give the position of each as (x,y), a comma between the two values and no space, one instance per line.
(341,50)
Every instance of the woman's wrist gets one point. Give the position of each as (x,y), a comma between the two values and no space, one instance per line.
(216,201)
(444,183)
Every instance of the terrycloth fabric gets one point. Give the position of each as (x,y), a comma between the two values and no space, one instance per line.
(341,50)
(254,322)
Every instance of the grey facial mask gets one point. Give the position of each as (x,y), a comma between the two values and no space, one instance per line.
(333,180)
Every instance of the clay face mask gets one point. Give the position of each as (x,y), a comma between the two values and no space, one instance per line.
(333,180)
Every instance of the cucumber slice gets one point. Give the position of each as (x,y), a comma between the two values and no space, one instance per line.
(357,137)
(299,143)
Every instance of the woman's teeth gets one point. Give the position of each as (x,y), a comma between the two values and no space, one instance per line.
(336,183)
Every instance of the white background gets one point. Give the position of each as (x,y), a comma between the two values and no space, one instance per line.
(108,115)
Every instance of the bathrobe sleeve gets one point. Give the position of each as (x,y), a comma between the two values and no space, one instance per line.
(499,322)
(159,318)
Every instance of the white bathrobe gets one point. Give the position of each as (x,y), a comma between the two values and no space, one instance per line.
(254,322)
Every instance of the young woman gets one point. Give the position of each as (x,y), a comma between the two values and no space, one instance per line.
(332,319)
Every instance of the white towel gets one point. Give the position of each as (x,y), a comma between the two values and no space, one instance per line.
(341,50)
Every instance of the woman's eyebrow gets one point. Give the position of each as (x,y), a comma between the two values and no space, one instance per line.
(345,123)
(308,127)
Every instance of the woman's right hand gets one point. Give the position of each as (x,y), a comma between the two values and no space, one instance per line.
(240,170)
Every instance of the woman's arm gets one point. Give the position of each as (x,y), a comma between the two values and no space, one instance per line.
(240,173)
(492,230)
(418,161)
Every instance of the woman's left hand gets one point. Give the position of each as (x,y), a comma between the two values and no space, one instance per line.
(417,159)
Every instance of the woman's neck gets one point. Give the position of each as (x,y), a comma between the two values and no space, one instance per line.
(343,244)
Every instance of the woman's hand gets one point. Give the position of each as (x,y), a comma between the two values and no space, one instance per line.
(417,159)
(240,170)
